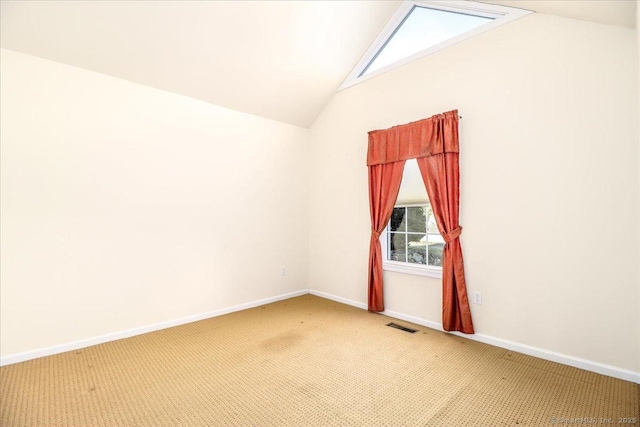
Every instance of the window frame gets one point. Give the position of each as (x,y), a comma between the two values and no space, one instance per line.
(500,14)
(407,267)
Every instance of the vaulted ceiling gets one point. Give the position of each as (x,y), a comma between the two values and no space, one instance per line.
(281,60)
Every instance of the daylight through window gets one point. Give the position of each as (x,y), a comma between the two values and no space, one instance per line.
(413,236)
(411,243)
(421,29)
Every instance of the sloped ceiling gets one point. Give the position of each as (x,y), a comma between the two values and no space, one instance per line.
(611,12)
(278,59)
(281,60)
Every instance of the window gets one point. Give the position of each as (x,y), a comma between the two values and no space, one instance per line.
(422,28)
(413,237)
(419,28)
(411,243)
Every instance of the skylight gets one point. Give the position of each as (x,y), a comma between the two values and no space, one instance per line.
(419,28)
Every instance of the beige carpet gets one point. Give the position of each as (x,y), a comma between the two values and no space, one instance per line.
(305,362)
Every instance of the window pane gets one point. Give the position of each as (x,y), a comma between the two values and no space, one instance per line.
(412,189)
(417,219)
(433,227)
(397,222)
(435,238)
(435,254)
(417,250)
(436,246)
(423,28)
(397,247)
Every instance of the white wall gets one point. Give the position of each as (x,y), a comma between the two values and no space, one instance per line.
(124,206)
(550,185)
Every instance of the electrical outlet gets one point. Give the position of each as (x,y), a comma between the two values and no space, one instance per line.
(283,271)
(477,297)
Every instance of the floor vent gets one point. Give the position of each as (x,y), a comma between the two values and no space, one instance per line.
(402,328)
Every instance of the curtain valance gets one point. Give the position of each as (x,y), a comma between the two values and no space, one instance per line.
(436,135)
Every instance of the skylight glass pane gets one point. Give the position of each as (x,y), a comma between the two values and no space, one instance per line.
(421,29)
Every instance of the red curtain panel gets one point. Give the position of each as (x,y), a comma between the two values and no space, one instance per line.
(384,185)
(434,142)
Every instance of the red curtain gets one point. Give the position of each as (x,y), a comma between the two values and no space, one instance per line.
(435,143)
(384,185)
(441,176)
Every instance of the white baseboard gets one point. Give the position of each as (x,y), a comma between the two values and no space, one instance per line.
(338,299)
(576,362)
(75,345)
(564,359)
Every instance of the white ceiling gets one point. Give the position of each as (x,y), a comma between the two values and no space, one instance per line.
(611,12)
(278,59)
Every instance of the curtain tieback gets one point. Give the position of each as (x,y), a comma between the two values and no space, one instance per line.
(452,235)
(376,233)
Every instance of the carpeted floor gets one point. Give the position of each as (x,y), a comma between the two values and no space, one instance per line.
(306,361)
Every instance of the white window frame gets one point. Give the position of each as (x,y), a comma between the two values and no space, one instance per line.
(406,267)
(501,15)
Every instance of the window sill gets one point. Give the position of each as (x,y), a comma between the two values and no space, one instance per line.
(418,270)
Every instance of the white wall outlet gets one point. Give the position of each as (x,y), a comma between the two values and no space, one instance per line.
(477,297)
(283,271)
